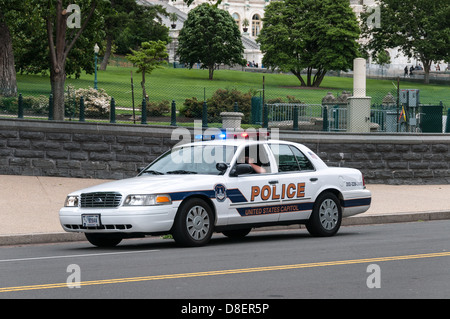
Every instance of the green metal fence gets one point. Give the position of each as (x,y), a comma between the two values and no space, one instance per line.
(178,95)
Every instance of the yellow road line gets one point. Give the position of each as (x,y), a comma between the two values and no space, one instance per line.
(226,272)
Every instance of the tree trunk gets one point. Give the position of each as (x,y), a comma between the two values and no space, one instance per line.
(59,49)
(308,79)
(57,81)
(58,56)
(8,83)
(107,53)
(211,71)
(427,68)
(144,92)
(318,77)
(299,77)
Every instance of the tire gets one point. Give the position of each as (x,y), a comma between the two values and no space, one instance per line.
(237,233)
(326,216)
(194,223)
(103,240)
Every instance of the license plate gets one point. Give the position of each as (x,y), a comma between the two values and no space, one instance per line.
(90,220)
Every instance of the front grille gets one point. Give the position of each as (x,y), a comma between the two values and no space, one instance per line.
(100,200)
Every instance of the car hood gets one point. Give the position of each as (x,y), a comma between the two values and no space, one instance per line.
(153,184)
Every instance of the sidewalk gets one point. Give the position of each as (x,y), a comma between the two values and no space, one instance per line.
(30,206)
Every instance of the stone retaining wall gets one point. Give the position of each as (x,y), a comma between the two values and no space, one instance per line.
(384,158)
(115,151)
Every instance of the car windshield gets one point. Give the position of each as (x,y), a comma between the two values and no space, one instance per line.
(194,159)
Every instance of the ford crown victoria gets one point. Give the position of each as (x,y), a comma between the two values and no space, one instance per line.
(228,186)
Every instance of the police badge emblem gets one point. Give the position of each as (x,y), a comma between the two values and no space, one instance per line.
(220,192)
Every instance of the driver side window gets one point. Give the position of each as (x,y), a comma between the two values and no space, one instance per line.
(255,155)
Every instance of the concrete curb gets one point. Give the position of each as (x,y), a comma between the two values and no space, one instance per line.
(48,238)
(40,238)
(395,218)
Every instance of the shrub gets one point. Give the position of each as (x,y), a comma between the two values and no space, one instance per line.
(192,108)
(34,105)
(223,100)
(96,102)
(8,105)
(158,108)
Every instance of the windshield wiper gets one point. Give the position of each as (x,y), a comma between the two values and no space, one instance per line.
(152,172)
(181,171)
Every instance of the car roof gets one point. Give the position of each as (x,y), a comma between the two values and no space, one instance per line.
(235,142)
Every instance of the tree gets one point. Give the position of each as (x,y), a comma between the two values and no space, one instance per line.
(60,43)
(128,24)
(210,36)
(27,22)
(318,36)
(8,83)
(382,58)
(419,28)
(151,56)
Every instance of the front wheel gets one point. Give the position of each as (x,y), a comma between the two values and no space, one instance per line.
(103,240)
(326,216)
(194,223)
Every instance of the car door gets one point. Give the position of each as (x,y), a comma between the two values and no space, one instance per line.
(250,194)
(296,182)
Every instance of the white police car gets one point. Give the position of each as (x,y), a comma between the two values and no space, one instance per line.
(228,186)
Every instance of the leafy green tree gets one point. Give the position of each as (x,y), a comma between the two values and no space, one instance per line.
(10,13)
(419,28)
(129,23)
(210,36)
(42,41)
(62,40)
(307,34)
(151,56)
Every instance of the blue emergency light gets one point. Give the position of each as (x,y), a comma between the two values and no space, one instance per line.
(236,135)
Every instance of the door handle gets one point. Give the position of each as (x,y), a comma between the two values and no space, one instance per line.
(273,182)
(314,179)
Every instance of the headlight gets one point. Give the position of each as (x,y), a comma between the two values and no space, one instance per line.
(147,200)
(71,201)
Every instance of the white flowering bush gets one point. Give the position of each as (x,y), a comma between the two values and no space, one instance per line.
(96,102)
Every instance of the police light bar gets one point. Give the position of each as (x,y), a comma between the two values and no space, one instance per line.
(249,135)
(223,135)
(211,137)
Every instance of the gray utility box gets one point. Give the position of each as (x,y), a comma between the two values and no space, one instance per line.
(409,97)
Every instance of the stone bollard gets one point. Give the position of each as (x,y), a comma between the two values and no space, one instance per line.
(231,120)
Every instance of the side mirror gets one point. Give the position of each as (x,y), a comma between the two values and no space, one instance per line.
(222,167)
(241,169)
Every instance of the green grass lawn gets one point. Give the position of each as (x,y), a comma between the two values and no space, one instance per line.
(179,84)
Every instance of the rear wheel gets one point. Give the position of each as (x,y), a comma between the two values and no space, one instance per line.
(326,216)
(103,240)
(194,223)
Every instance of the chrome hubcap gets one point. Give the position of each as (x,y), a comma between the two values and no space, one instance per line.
(328,214)
(197,222)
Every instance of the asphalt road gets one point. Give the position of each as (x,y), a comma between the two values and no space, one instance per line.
(405,260)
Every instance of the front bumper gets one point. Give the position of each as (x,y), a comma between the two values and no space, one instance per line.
(146,219)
